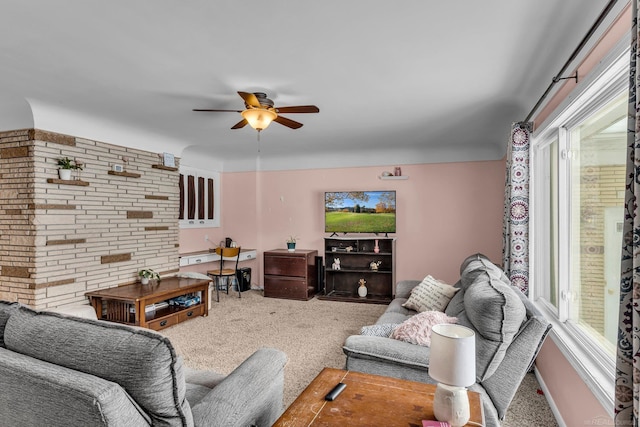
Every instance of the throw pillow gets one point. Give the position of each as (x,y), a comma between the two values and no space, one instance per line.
(417,329)
(430,294)
(382,330)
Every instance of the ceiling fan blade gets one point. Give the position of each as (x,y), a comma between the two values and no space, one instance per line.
(298,109)
(288,122)
(249,99)
(217,111)
(242,123)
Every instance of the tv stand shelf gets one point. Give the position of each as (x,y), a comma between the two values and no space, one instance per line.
(356,256)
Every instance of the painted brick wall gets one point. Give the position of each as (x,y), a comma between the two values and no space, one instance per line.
(59,240)
(600,188)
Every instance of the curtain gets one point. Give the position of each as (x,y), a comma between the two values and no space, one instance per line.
(515,233)
(628,348)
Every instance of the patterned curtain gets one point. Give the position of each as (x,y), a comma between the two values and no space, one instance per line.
(628,352)
(515,233)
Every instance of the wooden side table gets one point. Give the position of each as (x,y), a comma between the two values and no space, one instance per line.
(367,400)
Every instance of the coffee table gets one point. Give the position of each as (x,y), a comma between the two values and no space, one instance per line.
(126,304)
(368,400)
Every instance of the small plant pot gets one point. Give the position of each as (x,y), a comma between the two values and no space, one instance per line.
(64,174)
(144,280)
(291,247)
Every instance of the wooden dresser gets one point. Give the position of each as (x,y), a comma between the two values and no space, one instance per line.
(291,275)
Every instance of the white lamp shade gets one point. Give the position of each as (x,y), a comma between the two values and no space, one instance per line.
(453,355)
(259,118)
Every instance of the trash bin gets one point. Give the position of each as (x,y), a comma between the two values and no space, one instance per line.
(243,276)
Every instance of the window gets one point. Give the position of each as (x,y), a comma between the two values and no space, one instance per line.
(199,198)
(578,185)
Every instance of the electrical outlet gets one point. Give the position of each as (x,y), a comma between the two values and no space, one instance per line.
(206,237)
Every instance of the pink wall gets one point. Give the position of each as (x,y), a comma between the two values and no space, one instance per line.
(575,401)
(445,212)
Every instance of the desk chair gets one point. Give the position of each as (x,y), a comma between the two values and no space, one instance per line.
(226,254)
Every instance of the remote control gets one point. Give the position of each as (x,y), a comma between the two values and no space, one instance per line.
(335,392)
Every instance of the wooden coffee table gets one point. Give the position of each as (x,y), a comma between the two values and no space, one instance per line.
(368,400)
(126,304)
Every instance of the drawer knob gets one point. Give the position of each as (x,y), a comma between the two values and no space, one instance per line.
(163,323)
(189,313)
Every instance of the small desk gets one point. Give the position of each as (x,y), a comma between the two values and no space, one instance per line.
(367,400)
(126,304)
(193,258)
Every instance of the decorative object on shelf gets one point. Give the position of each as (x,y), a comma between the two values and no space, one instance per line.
(291,243)
(148,274)
(66,165)
(336,264)
(117,168)
(362,289)
(348,248)
(376,248)
(374,265)
(397,171)
(168,160)
(453,365)
(386,173)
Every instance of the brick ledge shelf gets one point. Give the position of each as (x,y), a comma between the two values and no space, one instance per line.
(67,182)
(163,167)
(125,174)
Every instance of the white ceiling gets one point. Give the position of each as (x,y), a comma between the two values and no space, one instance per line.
(400,82)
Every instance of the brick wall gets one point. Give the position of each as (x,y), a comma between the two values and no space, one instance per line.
(600,187)
(61,239)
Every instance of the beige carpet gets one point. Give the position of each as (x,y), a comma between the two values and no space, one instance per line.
(311,333)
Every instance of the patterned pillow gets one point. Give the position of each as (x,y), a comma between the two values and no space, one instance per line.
(417,329)
(382,330)
(430,294)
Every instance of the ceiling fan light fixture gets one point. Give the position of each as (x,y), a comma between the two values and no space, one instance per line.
(259,118)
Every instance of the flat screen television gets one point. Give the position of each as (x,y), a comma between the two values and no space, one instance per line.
(360,212)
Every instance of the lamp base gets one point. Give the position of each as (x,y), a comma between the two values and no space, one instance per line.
(451,404)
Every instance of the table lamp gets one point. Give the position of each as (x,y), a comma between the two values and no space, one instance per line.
(453,364)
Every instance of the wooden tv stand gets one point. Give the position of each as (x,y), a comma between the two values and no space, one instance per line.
(126,304)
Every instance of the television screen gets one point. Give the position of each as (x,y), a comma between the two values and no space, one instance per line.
(360,212)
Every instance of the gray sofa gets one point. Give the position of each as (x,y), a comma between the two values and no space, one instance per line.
(61,370)
(509,333)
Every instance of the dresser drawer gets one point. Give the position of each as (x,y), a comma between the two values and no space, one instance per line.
(191,312)
(165,322)
(285,266)
(285,287)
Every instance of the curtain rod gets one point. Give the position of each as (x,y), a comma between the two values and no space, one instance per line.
(573,56)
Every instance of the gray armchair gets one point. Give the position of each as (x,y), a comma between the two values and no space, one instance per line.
(59,370)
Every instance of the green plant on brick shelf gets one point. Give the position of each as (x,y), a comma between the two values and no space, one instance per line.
(67,163)
(147,274)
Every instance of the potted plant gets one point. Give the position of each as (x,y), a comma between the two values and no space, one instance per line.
(66,165)
(291,243)
(147,274)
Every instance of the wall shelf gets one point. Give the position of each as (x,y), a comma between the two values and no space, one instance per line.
(393,177)
(166,168)
(67,182)
(125,174)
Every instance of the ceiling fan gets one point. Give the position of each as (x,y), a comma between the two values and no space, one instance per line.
(260,111)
